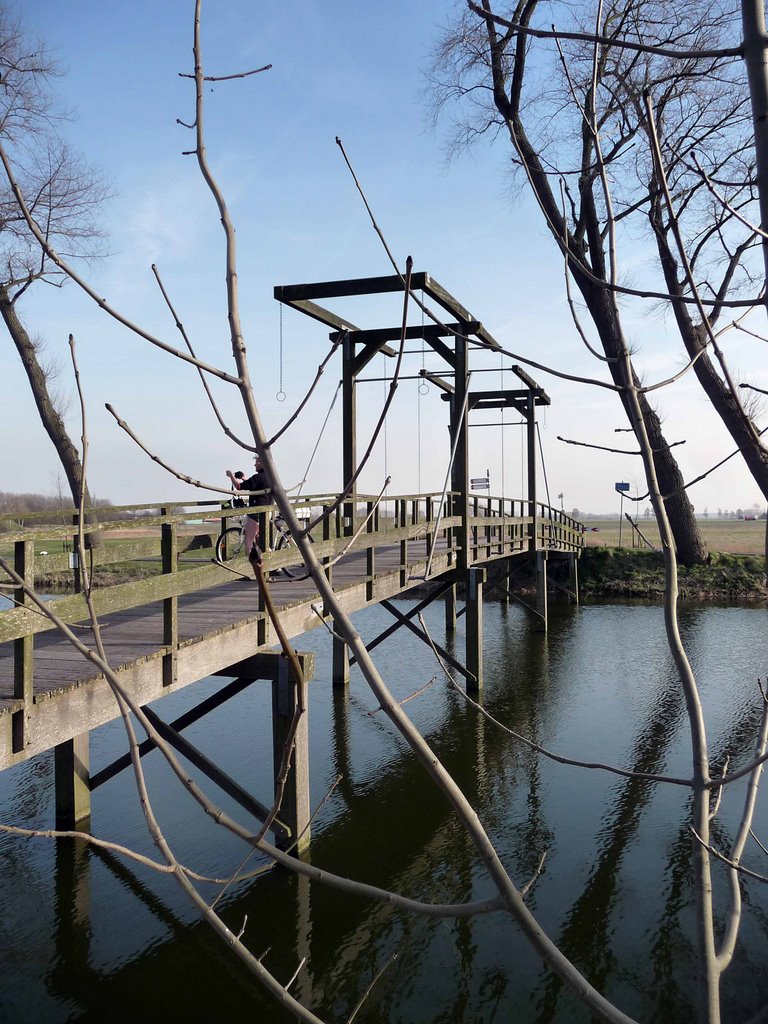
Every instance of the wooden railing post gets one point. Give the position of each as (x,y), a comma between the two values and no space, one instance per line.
(169,554)
(402,522)
(429,537)
(327,536)
(370,554)
(23,649)
(74,558)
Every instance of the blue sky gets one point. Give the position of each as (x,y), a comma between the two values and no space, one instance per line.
(339,68)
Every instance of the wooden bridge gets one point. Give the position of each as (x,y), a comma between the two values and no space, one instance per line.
(193,618)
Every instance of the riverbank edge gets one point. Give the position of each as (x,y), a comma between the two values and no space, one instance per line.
(627,572)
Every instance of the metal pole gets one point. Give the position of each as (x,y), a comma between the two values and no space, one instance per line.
(621,514)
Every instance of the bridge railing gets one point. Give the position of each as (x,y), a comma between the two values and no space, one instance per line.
(159,557)
(174,543)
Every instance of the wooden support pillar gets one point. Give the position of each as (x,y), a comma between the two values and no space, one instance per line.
(530,417)
(370,553)
(573,576)
(72,782)
(287,695)
(460,436)
(503,591)
(327,522)
(474,642)
(541,588)
(23,648)
(450,609)
(74,558)
(340,673)
(169,553)
(349,430)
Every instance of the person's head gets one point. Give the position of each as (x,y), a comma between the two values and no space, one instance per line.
(239,475)
(258,463)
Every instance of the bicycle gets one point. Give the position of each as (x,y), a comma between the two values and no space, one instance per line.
(230,545)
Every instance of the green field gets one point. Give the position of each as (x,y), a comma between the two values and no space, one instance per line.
(738,537)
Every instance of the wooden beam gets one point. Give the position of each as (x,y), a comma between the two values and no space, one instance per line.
(288,694)
(444,386)
(266,665)
(405,621)
(410,615)
(325,316)
(215,774)
(350,286)
(527,379)
(188,718)
(428,332)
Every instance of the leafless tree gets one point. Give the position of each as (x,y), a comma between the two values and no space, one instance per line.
(704,787)
(64,196)
(570,106)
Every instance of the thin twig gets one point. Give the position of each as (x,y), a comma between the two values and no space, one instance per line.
(180,326)
(527,887)
(370,987)
(228,78)
(416,693)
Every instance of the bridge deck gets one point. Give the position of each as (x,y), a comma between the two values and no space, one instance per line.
(218,618)
(137,633)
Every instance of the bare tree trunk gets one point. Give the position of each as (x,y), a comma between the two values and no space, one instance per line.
(49,415)
(689,544)
(753,27)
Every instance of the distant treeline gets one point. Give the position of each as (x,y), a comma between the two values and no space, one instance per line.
(47,509)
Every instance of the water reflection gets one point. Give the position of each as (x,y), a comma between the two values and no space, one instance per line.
(615,889)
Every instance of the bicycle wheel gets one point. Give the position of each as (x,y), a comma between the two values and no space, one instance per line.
(230,544)
(298,571)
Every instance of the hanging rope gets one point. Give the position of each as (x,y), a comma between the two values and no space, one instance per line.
(441,507)
(386,391)
(543,465)
(319,438)
(418,433)
(281,396)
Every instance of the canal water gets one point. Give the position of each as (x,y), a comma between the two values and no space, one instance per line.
(91,937)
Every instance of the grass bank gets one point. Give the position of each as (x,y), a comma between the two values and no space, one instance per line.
(624,572)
